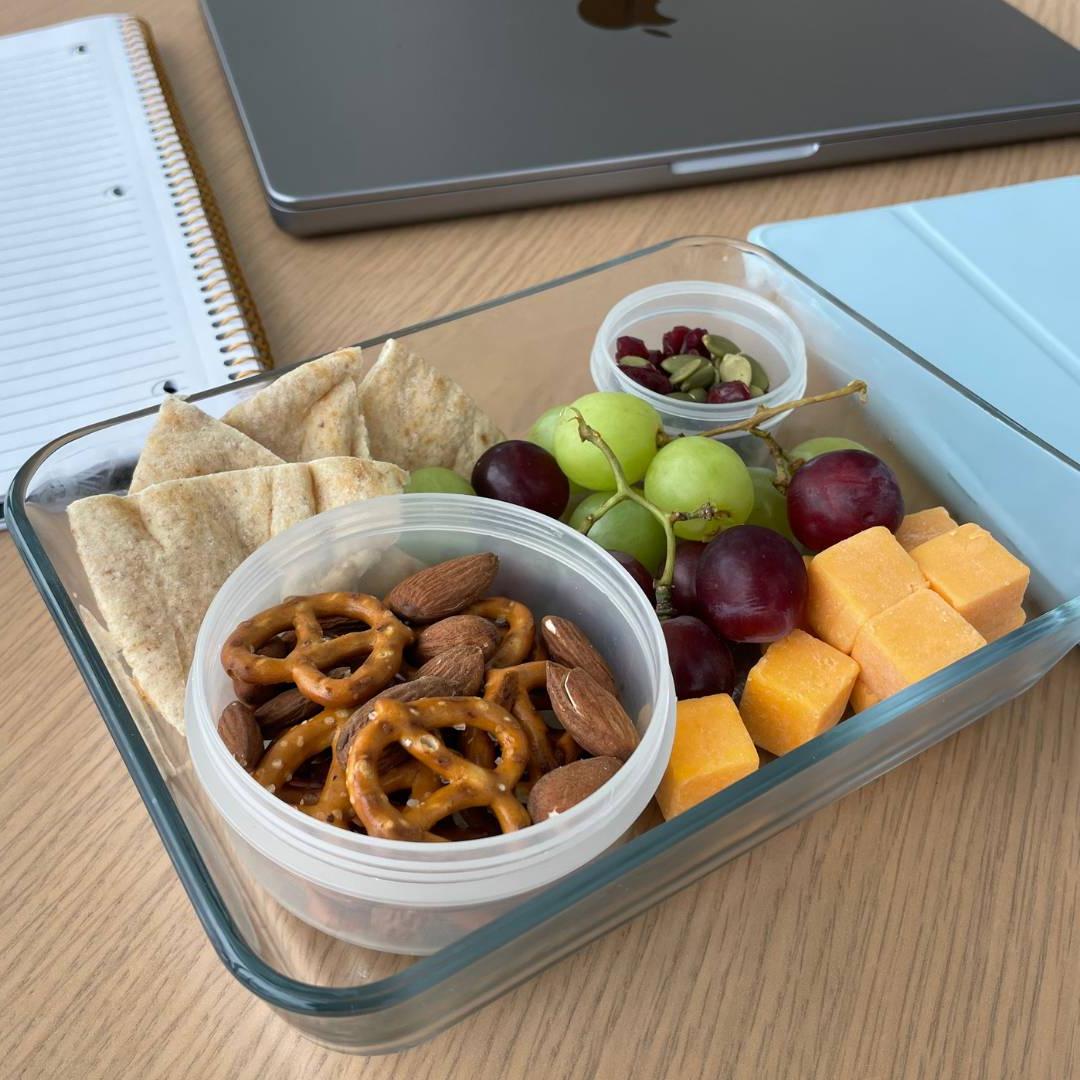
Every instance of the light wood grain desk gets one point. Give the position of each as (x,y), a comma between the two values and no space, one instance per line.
(926,926)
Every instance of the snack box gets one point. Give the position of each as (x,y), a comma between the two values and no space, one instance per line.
(518,356)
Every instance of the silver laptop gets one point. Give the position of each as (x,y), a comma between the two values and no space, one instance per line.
(365,113)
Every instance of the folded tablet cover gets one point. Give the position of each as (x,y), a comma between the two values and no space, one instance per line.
(986,286)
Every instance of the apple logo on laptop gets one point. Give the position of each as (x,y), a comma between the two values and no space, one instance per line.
(624,14)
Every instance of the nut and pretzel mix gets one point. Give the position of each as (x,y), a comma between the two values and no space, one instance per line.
(436,714)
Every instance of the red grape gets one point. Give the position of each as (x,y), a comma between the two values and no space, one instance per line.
(637,572)
(630,346)
(700,662)
(524,474)
(841,493)
(649,377)
(684,580)
(751,584)
(725,392)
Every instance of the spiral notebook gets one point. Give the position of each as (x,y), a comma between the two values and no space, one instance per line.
(117,281)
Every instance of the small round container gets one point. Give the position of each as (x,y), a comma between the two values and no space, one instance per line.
(413,897)
(755,324)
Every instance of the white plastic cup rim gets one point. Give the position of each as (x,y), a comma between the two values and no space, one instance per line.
(698,302)
(429,875)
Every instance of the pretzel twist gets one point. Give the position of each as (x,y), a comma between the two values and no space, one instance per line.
(518,641)
(314,652)
(463,785)
(510,687)
(333,804)
(298,744)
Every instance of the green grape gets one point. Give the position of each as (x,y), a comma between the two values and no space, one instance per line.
(543,430)
(626,423)
(692,471)
(628,527)
(823,444)
(434,478)
(770,507)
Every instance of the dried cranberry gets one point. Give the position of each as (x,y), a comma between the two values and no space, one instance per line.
(630,346)
(673,340)
(724,392)
(649,377)
(656,356)
(694,343)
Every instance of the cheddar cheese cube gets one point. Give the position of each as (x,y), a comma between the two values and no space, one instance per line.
(862,697)
(1010,621)
(917,528)
(711,751)
(976,575)
(797,690)
(854,580)
(910,640)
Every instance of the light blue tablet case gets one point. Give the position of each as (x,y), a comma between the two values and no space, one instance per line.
(986,286)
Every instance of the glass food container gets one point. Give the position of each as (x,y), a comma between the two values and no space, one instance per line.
(947,447)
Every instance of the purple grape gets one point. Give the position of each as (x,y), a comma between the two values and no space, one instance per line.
(524,474)
(841,493)
(700,662)
(649,377)
(725,392)
(673,340)
(630,346)
(751,584)
(637,572)
(684,580)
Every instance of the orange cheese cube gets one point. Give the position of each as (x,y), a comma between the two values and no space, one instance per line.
(1010,621)
(797,690)
(976,575)
(862,697)
(916,529)
(912,639)
(854,580)
(711,751)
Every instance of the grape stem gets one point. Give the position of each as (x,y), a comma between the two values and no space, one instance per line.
(624,492)
(761,414)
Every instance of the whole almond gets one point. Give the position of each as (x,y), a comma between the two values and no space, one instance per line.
(591,714)
(428,686)
(443,589)
(291,707)
(240,734)
(568,785)
(567,645)
(462,666)
(455,632)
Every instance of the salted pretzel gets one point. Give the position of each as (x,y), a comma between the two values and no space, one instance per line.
(413,725)
(518,641)
(289,751)
(510,687)
(315,653)
(333,806)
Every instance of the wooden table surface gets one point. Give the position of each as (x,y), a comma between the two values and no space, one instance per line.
(923,927)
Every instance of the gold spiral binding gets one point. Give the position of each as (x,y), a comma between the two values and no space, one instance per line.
(228,301)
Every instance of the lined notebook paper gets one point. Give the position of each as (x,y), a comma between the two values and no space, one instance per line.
(116,282)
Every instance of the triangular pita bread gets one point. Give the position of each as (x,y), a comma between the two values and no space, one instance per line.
(311,412)
(186,442)
(417,417)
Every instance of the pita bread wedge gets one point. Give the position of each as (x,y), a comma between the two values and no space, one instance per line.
(155,560)
(417,417)
(186,442)
(312,412)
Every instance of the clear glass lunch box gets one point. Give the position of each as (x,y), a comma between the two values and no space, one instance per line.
(518,356)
